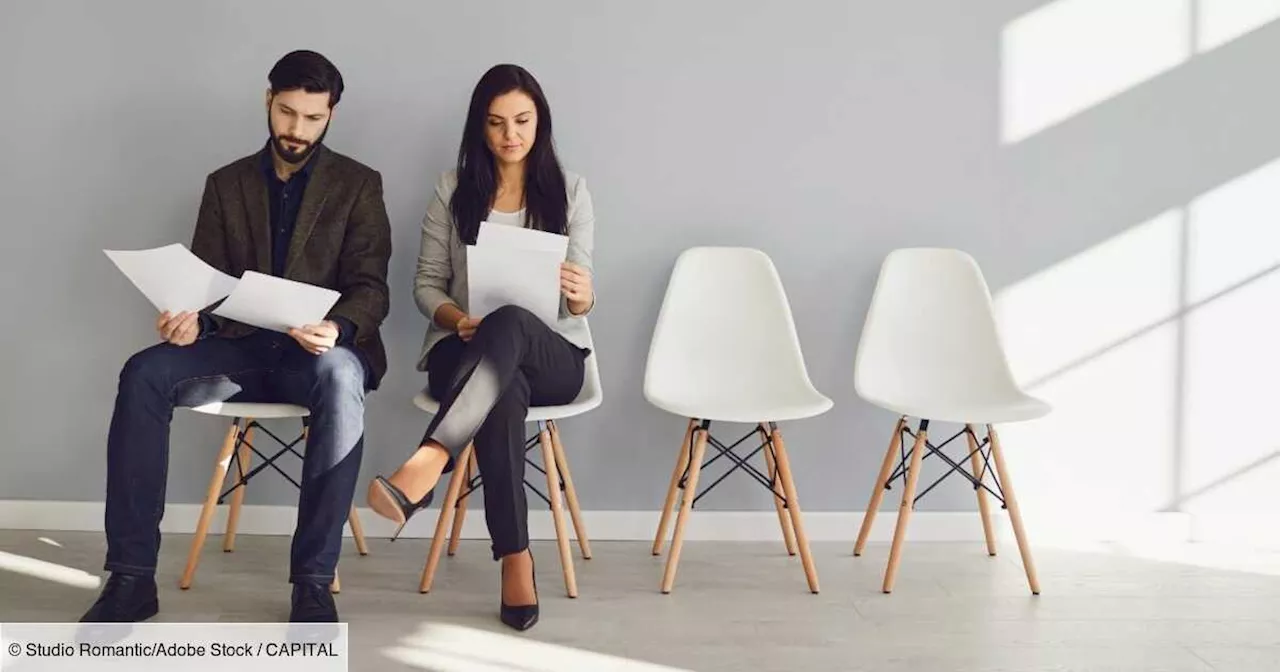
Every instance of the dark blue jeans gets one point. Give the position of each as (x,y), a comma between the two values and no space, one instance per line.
(262,367)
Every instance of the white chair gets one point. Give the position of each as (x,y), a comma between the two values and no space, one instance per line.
(930,350)
(238,448)
(555,464)
(725,349)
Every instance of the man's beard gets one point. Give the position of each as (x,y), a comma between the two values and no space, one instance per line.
(288,155)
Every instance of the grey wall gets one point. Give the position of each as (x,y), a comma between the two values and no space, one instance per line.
(826,134)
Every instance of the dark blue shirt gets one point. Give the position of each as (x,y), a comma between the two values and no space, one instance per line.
(283,199)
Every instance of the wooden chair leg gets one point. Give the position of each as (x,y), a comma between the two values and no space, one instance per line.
(243,455)
(877,490)
(793,505)
(220,466)
(336,586)
(1015,513)
(557,509)
(669,506)
(461,514)
(904,510)
(442,523)
(357,531)
(784,520)
(984,507)
(686,504)
(570,492)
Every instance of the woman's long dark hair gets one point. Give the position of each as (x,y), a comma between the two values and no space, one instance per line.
(546,203)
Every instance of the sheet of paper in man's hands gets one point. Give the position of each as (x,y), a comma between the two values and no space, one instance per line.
(172,278)
(269,302)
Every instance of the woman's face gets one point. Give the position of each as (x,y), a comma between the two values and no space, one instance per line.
(511,126)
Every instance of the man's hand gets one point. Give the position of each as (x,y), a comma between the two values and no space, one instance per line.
(575,284)
(466,327)
(317,339)
(181,329)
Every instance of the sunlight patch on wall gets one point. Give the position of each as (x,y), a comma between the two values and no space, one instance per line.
(1222,21)
(1070,55)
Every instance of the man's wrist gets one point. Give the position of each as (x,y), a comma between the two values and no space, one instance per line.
(346,329)
(208,326)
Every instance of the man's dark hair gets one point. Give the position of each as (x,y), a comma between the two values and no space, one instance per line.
(309,71)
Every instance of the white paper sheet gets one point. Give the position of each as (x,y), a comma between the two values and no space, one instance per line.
(516,266)
(498,276)
(172,278)
(515,236)
(269,302)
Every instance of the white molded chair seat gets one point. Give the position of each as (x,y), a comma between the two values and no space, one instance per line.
(261,411)
(741,404)
(930,347)
(725,345)
(1013,407)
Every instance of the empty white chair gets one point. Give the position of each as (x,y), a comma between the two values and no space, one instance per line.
(725,349)
(238,448)
(554,463)
(930,350)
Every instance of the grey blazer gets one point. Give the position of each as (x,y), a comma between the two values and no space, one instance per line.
(441,275)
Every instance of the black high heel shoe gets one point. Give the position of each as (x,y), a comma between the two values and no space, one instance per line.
(382,489)
(523,617)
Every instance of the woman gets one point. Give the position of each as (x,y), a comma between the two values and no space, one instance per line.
(487,370)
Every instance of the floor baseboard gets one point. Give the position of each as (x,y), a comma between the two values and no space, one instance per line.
(641,525)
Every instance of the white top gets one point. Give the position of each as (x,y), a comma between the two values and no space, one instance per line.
(507,218)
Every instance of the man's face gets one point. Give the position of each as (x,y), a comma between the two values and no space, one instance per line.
(298,121)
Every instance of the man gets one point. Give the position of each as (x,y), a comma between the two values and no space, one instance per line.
(298,210)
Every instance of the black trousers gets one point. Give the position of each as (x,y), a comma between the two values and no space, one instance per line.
(485,388)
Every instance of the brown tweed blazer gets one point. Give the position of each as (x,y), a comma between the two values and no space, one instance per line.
(342,240)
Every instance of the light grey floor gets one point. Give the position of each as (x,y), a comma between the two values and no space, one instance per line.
(735,606)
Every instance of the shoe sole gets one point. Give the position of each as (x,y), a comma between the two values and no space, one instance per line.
(147,611)
(384,503)
(109,633)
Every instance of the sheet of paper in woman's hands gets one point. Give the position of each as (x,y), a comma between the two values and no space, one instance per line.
(527,239)
(498,275)
(172,278)
(509,265)
(269,302)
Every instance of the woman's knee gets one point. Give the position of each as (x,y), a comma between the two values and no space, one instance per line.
(506,318)
(509,410)
(513,403)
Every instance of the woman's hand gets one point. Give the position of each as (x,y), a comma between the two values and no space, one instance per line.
(575,284)
(466,327)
